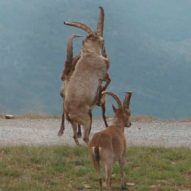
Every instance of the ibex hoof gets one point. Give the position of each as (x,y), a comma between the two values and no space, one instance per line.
(76,140)
(86,140)
(124,188)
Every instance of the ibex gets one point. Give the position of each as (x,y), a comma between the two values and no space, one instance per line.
(84,87)
(109,145)
(69,67)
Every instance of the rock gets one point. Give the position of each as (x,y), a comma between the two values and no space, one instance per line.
(8,116)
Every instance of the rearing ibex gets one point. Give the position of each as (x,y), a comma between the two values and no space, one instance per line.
(91,70)
(69,67)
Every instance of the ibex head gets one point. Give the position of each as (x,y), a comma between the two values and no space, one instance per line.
(94,40)
(123,111)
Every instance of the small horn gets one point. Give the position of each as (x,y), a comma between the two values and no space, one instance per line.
(100,24)
(80,25)
(126,102)
(115,97)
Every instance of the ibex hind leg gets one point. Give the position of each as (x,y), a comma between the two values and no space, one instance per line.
(122,172)
(62,126)
(79,133)
(87,127)
(108,172)
(75,136)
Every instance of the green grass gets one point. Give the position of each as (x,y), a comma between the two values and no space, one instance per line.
(61,168)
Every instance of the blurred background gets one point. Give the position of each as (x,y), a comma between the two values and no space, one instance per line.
(148,43)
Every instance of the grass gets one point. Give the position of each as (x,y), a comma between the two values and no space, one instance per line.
(62,168)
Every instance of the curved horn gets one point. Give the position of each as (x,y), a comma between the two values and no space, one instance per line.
(69,56)
(127,100)
(115,97)
(80,25)
(100,24)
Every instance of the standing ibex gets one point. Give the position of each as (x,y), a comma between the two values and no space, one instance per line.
(85,84)
(69,67)
(109,145)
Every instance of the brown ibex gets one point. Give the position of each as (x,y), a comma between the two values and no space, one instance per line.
(69,67)
(109,145)
(83,89)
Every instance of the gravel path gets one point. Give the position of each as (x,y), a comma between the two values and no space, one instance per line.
(44,132)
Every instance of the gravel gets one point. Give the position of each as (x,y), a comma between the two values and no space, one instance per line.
(44,132)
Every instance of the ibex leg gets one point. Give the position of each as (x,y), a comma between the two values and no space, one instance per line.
(79,133)
(108,171)
(107,80)
(122,165)
(62,126)
(103,114)
(74,126)
(87,128)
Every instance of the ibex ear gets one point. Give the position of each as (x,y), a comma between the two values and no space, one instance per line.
(114,108)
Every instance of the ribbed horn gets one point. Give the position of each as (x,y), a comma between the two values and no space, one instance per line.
(126,102)
(100,24)
(80,25)
(115,97)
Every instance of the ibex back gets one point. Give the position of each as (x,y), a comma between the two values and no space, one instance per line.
(109,145)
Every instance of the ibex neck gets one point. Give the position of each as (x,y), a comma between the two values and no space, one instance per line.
(119,123)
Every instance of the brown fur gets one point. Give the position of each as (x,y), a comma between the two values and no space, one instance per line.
(69,67)
(109,145)
(84,84)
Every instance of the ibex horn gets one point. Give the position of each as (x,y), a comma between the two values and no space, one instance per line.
(115,97)
(127,99)
(80,25)
(70,47)
(100,24)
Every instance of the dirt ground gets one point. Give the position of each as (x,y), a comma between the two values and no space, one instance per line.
(38,131)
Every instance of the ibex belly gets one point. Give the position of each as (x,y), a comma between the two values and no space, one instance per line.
(82,88)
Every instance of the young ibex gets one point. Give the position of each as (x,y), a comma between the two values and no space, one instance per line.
(85,84)
(109,145)
(69,67)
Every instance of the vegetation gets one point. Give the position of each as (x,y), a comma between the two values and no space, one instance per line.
(56,168)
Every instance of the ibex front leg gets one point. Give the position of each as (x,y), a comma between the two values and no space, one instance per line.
(103,113)
(107,80)
(102,102)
